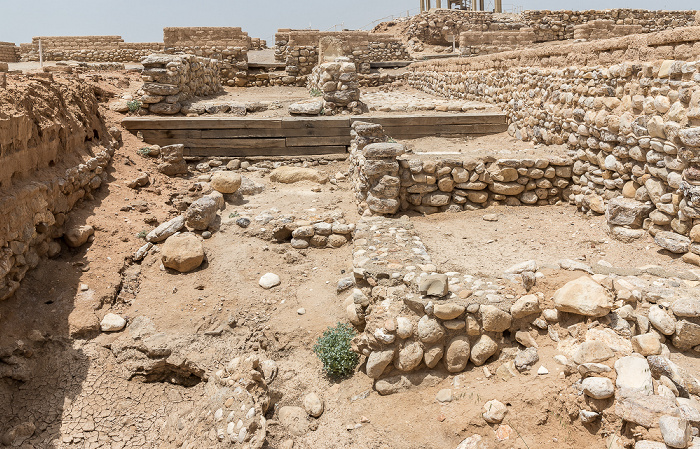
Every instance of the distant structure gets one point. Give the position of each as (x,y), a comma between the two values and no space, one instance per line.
(468,5)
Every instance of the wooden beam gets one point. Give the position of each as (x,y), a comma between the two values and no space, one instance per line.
(246,152)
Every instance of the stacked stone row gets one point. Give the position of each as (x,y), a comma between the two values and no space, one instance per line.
(233,61)
(37,215)
(436,27)
(123,52)
(632,126)
(604,29)
(319,234)
(339,85)
(301,60)
(388,51)
(170,79)
(9,52)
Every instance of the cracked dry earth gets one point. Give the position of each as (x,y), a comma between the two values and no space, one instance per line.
(157,383)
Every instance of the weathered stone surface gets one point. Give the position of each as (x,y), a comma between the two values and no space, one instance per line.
(201,213)
(166,229)
(182,252)
(313,405)
(434,285)
(685,382)
(687,335)
(409,356)
(429,330)
(494,412)
(494,319)
(378,361)
(675,431)
(483,348)
(592,352)
(622,211)
(294,419)
(686,307)
(388,150)
(306,107)
(269,280)
(646,344)
(448,311)
(526,359)
(226,182)
(598,387)
(525,306)
(77,236)
(583,296)
(633,376)
(645,410)
(112,323)
(291,175)
(672,242)
(661,320)
(457,354)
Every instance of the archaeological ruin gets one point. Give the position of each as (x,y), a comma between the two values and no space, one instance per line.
(464,228)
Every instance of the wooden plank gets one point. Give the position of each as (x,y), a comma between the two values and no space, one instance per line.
(247,152)
(226,143)
(317,141)
(139,123)
(395,131)
(435,120)
(172,134)
(301,132)
(316,122)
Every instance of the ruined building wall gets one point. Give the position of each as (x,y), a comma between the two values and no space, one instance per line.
(87,48)
(437,26)
(9,52)
(53,150)
(634,127)
(171,79)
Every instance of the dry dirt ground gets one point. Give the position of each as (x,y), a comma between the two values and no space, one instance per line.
(78,398)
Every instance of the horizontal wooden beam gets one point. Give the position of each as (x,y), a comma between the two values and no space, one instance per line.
(249,152)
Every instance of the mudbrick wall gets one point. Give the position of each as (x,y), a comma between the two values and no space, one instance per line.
(436,27)
(631,127)
(9,52)
(54,148)
(87,48)
(171,79)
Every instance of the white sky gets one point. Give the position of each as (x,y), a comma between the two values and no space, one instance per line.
(143,20)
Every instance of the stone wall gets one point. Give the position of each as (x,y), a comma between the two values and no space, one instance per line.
(87,49)
(54,148)
(206,37)
(9,52)
(436,27)
(632,125)
(473,43)
(604,29)
(171,79)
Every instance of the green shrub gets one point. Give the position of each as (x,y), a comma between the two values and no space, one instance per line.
(133,105)
(144,151)
(315,92)
(142,234)
(333,348)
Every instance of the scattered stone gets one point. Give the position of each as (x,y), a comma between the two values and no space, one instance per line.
(294,419)
(647,344)
(201,213)
(598,387)
(226,182)
(312,106)
(166,229)
(77,236)
(661,320)
(525,306)
(675,431)
(112,323)
(243,222)
(494,412)
(672,242)
(587,417)
(290,175)
(269,280)
(182,252)
(526,359)
(490,217)
(434,285)
(528,265)
(583,296)
(444,395)
(313,405)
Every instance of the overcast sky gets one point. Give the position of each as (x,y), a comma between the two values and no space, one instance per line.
(143,20)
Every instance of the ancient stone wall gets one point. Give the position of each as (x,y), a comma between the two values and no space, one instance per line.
(87,49)
(9,52)
(604,29)
(436,27)
(632,125)
(473,43)
(170,79)
(53,150)
(206,37)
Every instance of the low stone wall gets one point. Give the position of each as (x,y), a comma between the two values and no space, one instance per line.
(53,152)
(436,27)
(387,180)
(170,79)
(604,29)
(633,126)
(9,52)
(385,47)
(174,37)
(338,84)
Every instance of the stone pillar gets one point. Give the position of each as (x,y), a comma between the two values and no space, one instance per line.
(474,5)
(481,5)
(422,5)
(499,5)
(438,4)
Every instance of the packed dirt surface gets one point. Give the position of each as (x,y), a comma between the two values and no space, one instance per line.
(499,146)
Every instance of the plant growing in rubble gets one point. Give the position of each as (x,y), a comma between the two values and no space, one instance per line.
(133,105)
(315,92)
(333,348)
